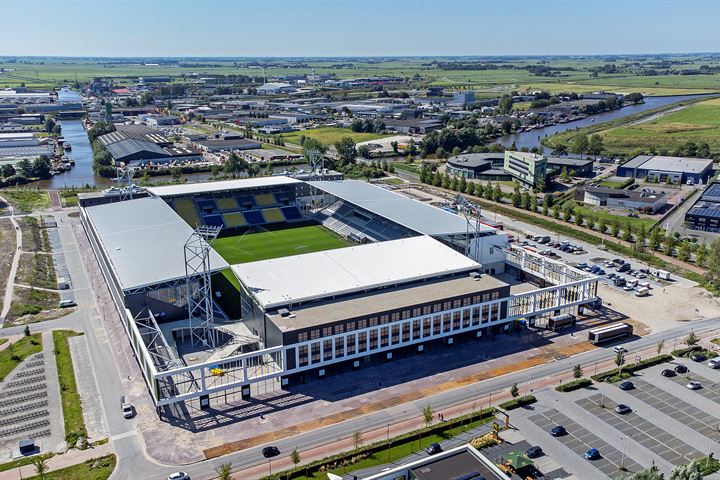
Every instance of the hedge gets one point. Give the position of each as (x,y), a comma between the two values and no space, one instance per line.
(574,385)
(334,461)
(686,352)
(632,368)
(518,402)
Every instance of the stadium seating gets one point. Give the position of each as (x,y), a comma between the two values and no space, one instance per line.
(273,215)
(246,202)
(234,219)
(227,203)
(213,220)
(254,217)
(265,200)
(207,206)
(291,213)
(186,209)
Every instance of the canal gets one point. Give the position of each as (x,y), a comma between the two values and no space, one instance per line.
(532,138)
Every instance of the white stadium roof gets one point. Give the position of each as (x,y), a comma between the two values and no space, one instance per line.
(300,278)
(417,216)
(222,186)
(144,240)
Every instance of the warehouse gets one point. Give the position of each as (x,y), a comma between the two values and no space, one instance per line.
(704,215)
(644,201)
(136,152)
(667,169)
(214,146)
(576,167)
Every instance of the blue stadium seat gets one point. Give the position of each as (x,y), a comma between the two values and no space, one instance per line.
(213,220)
(291,213)
(254,217)
(207,206)
(246,202)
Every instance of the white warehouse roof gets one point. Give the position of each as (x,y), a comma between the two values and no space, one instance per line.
(225,185)
(300,278)
(144,239)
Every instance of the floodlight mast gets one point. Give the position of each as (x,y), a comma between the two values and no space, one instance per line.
(124,180)
(199,286)
(317,165)
(472,226)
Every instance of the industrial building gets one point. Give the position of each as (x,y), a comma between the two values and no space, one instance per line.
(479,166)
(642,200)
(417,278)
(580,167)
(667,169)
(704,215)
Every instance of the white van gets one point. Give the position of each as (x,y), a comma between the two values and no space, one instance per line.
(67,303)
(641,292)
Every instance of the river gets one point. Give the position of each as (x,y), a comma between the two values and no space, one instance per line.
(532,138)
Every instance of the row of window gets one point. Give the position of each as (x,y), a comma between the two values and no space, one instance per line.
(374,321)
(396,334)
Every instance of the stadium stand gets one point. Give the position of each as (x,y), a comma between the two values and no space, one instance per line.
(227,203)
(234,219)
(207,206)
(291,213)
(246,202)
(273,215)
(186,209)
(254,217)
(265,200)
(350,222)
(214,220)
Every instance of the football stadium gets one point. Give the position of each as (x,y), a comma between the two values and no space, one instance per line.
(247,286)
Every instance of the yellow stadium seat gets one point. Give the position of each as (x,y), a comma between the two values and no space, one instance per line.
(186,209)
(227,203)
(235,219)
(273,215)
(265,199)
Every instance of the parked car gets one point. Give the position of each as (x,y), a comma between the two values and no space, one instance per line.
(628,287)
(433,449)
(592,454)
(680,369)
(627,386)
(714,363)
(271,451)
(667,373)
(178,476)
(558,431)
(624,267)
(694,385)
(622,409)
(128,410)
(533,452)
(698,357)
(619,349)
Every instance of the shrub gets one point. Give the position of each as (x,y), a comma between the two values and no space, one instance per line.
(574,385)
(627,370)
(518,402)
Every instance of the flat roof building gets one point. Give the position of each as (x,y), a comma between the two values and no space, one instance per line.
(643,200)
(704,215)
(527,168)
(667,169)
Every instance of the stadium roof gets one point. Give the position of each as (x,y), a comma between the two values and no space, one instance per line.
(225,185)
(417,216)
(144,241)
(312,276)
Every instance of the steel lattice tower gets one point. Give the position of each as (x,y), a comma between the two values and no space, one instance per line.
(199,286)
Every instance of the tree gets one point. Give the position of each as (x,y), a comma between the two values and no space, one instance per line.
(615,228)
(595,145)
(489,191)
(580,144)
(628,232)
(525,200)
(533,204)
(26,331)
(701,253)
(620,360)
(655,239)
(224,470)
(514,390)
(311,144)
(394,146)
(462,185)
(41,167)
(690,471)
(577,371)
(440,153)
(505,105)
(357,439)
(669,245)
(7,170)
(516,197)
(561,149)
(659,346)
(579,219)
(691,339)
(602,226)
(41,466)
(497,193)
(346,150)
(428,415)
(235,165)
(651,473)
(295,456)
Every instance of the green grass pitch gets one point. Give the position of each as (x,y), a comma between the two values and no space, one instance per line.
(252,247)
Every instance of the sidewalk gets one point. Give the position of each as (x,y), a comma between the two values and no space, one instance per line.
(73,457)
(10,340)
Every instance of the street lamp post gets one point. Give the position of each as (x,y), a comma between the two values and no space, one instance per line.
(622,461)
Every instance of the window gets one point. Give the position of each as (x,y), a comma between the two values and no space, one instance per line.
(314,334)
(427,310)
(416,312)
(447,305)
(466,301)
(416,329)
(395,316)
(447,318)
(384,319)
(395,334)
(350,326)
(362,324)
(302,337)
(326,331)
(373,339)
(340,347)
(426,327)
(476,315)
(362,341)
(437,308)
(437,319)
(457,303)
(327,349)
(405,314)
(351,344)
(477,298)
(486,297)
(384,336)
(495,295)
(315,352)
(373,321)
(339,329)
(303,355)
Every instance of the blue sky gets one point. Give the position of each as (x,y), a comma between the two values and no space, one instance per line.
(355,27)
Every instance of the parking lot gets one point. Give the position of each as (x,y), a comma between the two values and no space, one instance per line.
(667,424)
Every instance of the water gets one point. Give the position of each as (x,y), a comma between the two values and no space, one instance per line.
(81,174)
(532,138)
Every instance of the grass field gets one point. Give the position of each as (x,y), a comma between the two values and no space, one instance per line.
(71,405)
(277,243)
(13,355)
(697,123)
(330,135)
(94,469)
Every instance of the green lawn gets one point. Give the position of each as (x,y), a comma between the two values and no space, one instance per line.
(72,408)
(330,135)
(277,243)
(609,217)
(93,469)
(13,355)
(27,200)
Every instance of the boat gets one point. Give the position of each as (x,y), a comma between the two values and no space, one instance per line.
(67,147)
